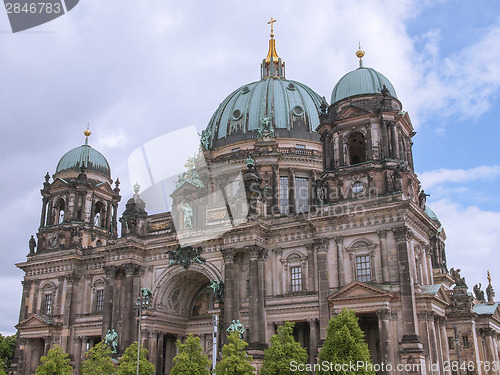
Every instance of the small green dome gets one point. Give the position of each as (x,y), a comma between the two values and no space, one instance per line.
(84,156)
(359,82)
(293,107)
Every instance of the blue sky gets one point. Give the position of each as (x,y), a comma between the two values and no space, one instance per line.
(137,71)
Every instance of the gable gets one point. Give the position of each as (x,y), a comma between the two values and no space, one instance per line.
(36,321)
(351,111)
(358,290)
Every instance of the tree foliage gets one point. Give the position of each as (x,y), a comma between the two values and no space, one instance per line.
(98,361)
(235,360)
(2,366)
(7,349)
(128,362)
(345,344)
(55,363)
(190,359)
(283,351)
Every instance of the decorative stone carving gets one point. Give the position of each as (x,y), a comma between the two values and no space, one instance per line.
(478,293)
(321,245)
(185,256)
(402,234)
(228,255)
(459,281)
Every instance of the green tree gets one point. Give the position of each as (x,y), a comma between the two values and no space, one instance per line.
(345,344)
(98,361)
(190,359)
(7,349)
(235,360)
(284,351)
(2,365)
(128,362)
(55,363)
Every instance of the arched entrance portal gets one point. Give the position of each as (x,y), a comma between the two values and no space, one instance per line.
(182,304)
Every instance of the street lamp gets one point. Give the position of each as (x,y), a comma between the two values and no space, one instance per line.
(143,302)
(457,342)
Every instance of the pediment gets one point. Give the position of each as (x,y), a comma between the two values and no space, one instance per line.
(435,292)
(359,290)
(58,183)
(37,321)
(351,111)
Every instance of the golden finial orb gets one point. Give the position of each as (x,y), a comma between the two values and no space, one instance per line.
(87,132)
(360,53)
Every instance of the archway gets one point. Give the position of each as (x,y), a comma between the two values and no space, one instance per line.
(357,148)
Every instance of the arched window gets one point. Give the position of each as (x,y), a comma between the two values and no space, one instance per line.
(98,219)
(357,148)
(59,212)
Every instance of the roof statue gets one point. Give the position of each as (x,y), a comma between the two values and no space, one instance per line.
(490,292)
(190,176)
(478,293)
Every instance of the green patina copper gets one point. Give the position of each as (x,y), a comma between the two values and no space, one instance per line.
(359,82)
(84,157)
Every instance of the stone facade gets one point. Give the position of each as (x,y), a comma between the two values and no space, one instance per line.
(323,225)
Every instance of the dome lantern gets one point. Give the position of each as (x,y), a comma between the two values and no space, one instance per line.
(272,65)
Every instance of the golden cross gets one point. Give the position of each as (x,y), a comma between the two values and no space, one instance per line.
(489,278)
(189,164)
(271,22)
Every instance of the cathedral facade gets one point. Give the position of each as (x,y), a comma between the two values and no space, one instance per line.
(292,210)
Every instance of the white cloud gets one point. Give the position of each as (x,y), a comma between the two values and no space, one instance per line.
(473,238)
(443,176)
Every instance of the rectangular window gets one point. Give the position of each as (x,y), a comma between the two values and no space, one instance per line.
(300,147)
(301,194)
(296,278)
(99,300)
(47,306)
(451,343)
(363,270)
(465,341)
(284,195)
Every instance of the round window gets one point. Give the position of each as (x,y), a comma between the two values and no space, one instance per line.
(237,114)
(357,187)
(245,90)
(298,110)
(291,86)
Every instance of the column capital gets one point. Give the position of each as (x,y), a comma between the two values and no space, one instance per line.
(254,251)
(26,284)
(402,234)
(321,245)
(130,268)
(387,314)
(72,278)
(228,255)
(339,240)
(382,233)
(110,271)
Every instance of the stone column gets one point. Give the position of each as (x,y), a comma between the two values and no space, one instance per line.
(369,143)
(46,344)
(291,191)
(128,307)
(443,336)
(395,141)
(253,300)
(83,347)
(385,140)
(159,354)
(341,149)
(262,294)
(412,349)
(310,287)
(107,314)
(323,285)
(382,235)
(36,291)
(275,189)
(24,306)
(384,326)
(114,220)
(153,347)
(69,310)
(228,255)
(44,211)
(313,338)
(339,241)
(50,216)
(402,236)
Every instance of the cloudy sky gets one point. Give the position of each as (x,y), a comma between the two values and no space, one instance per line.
(137,70)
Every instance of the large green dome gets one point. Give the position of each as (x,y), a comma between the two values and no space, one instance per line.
(293,107)
(84,156)
(359,82)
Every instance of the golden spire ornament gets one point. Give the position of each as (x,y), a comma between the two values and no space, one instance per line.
(271,23)
(359,54)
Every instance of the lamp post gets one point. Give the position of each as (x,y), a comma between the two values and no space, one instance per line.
(457,342)
(143,302)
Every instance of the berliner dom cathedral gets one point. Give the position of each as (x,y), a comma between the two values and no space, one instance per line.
(295,207)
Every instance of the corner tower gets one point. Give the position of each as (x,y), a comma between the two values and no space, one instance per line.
(79,207)
(366,138)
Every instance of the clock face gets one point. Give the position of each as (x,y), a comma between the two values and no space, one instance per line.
(357,187)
